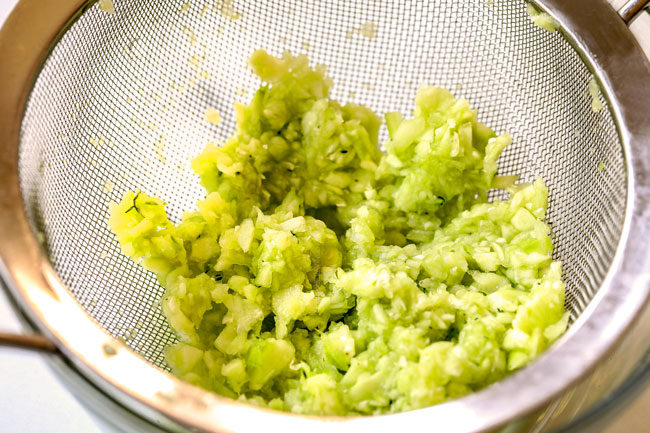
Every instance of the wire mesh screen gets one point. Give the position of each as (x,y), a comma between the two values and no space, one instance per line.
(119,105)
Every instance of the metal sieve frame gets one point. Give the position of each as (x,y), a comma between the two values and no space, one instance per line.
(608,47)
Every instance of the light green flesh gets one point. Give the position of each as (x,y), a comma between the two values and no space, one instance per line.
(321,276)
(594,92)
(542,19)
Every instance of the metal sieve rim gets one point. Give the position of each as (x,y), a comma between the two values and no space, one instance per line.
(607,46)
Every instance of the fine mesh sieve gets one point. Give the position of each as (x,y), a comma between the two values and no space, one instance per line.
(119,103)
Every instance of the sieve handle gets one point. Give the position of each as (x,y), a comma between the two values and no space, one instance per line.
(29,342)
(631,8)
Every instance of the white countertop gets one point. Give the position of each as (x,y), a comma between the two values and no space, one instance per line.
(32,400)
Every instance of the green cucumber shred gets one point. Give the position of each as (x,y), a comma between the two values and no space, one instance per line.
(316,264)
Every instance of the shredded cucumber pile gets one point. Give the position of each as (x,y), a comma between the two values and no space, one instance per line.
(322,276)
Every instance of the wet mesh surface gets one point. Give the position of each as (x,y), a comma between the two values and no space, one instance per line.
(119,105)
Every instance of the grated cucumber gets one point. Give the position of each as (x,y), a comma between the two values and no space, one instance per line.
(321,276)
